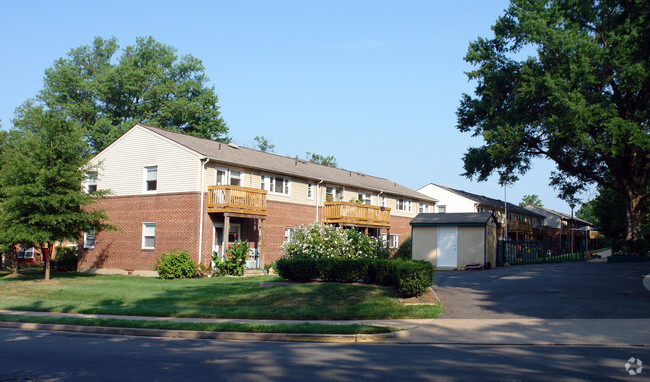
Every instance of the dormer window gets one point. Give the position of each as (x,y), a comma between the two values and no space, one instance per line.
(151,179)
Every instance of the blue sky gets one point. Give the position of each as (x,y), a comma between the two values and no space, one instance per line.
(374,83)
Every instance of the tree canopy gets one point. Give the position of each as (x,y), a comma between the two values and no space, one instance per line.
(582,101)
(263,144)
(147,83)
(321,159)
(533,200)
(42,166)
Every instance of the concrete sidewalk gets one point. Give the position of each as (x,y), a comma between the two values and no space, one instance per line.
(429,331)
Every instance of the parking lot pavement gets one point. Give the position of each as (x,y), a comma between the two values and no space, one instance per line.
(578,290)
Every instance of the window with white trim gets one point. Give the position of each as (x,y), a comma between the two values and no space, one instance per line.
(89,239)
(91,182)
(423,208)
(288,234)
(275,185)
(403,205)
(151,179)
(310,190)
(383,201)
(221,176)
(148,235)
(26,253)
(441,209)
(333,194)
(393,240)
(235,178)
(365,198)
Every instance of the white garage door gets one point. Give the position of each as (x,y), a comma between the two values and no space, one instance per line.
(448,246)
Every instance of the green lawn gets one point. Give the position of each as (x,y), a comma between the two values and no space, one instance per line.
(207,297)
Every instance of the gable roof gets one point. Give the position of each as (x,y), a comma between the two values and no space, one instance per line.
(561,215)
(457,218)
(278,164)
(490,201)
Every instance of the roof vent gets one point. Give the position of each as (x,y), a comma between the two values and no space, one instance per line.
(234,146)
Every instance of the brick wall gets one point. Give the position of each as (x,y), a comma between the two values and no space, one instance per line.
(177,223)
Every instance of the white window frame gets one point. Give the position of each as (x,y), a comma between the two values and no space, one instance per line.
(423,208)
(364,197)
(238,177)
(226,179)
(91,181)
(337,193)
(406,205)
(441,209)
(393,240)
(310,190)
(270,183)
(87,237)
(146,226)
(145,186)
(27,253)
(288,234)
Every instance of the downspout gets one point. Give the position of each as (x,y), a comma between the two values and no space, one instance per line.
(201,209)
(318,197)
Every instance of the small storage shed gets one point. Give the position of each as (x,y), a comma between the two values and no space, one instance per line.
(454,240)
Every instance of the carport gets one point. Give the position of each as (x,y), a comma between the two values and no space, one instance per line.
(454,240)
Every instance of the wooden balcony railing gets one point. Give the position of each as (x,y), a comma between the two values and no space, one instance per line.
(355,214)
(545,230)
(521,227)
(235,199)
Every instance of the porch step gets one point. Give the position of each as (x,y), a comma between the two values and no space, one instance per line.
(253,272)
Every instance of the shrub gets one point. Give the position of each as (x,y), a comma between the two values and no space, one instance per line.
(380,271)
(621,247)
(412,278)
(327,241)
(235,260)
(298,269)
(175,265)
(641,246)
(66,258)
(404,250)
(341,270)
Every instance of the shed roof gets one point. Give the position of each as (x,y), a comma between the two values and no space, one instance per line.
(459,218)
(242,156)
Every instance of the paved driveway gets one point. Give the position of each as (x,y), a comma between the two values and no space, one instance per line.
(592,289)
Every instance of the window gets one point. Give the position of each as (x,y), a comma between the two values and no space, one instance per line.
(148,235)
(310,190)
(480,209)
(288,235)
(424,208)
(364,197)
(26,253)
(275,184)
(91,182)
(403,205)
(89,239)
(235,178)
(333,194)
(151,179)
(393,240)
(383,201)
(221,177)
(442,209)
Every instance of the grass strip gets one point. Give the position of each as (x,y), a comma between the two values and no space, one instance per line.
(303,328)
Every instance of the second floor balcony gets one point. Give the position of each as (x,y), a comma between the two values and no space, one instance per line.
(237,200)
(356,215)
(519,227)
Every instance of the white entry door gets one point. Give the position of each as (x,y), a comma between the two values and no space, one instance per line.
(448,246)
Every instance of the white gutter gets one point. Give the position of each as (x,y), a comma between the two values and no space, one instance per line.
(201,209)
(318,198)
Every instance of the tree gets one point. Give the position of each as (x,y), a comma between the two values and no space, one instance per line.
(42,166)
(263,144)
(533,200)
(320,159)
(583,101)
(148,83)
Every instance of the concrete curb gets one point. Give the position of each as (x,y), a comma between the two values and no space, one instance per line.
(190,334)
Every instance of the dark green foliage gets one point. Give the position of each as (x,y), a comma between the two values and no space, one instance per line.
(175,265)
(404,250)
(298,269)
(107,94)
(641,246)
(329,160)
(235,261)
(67,257)
(566,81)
(621,247)
(412,278)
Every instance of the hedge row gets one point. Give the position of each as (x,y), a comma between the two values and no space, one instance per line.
(411,278)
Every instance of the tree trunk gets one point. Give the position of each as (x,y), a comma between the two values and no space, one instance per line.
(633,218)
(46,258)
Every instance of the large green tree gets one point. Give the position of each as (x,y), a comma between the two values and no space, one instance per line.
(581,99)
(42,166)
(533,200)
(147,83)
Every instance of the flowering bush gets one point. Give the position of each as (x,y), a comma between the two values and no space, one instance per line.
(235,260)
(327,241)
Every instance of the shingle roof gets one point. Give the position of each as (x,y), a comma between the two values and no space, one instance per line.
(490,201)
(458,218)
(278,164)
(560,214)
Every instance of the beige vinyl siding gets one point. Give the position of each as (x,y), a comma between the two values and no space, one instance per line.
(121,166)
(425,244)
(471,245)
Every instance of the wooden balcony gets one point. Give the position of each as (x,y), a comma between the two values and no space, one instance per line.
(519,227)
(545,231)
(357,215)
(235,200)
